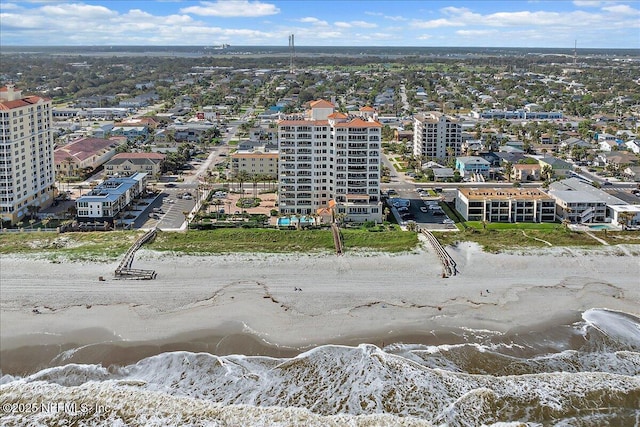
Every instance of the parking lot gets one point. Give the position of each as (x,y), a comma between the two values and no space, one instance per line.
(167,211)
(425,210)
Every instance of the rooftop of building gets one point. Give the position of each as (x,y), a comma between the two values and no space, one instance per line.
(503,193)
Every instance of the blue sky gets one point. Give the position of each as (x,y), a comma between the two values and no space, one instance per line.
(508,23)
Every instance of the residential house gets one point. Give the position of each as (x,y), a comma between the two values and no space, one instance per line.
(505,205)
(618,160)
(131,132)
(84,154)
(125,164)
(526,172)
(632,172)
(472,165)
(633,146)
(559,168)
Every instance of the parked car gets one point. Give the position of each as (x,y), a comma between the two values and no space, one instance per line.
(448,221)
(169,185)
(424,209)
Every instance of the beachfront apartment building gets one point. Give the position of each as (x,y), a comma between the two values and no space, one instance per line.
(126,164)
(107,201)
(505,205)
(579,202)
(255,162)
(330,160)
(27,176)
(436,135)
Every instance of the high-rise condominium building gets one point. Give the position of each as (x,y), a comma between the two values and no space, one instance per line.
(436,136)
(329,160)
(26,154)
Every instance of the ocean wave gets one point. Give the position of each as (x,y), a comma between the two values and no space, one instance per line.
(592,377)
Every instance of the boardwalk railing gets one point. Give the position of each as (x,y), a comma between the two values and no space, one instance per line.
(124,270)
(448,264)
(337,241)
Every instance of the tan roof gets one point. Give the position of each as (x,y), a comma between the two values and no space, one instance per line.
(503,193)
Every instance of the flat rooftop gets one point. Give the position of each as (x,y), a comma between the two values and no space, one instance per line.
(503,193)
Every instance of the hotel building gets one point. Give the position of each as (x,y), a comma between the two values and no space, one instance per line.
(436,136)
(26,154)
(330,160)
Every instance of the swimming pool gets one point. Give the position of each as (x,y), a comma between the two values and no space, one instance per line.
(602,227)
(287,221)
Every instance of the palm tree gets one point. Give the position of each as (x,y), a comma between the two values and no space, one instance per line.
(242,177)
(254,179)
(186,217)
(546,173)
(508,169)
(45,222)
(624,218)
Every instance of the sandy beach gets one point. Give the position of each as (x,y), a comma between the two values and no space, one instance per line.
(278,304)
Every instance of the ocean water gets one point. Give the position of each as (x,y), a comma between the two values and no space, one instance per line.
(585,372)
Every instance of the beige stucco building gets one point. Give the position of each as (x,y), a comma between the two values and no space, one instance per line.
(27,174)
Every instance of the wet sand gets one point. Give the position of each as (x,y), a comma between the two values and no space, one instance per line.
(247,303)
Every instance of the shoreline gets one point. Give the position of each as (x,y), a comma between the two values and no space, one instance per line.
(247,303)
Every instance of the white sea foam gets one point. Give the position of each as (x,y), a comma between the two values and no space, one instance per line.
(465,384)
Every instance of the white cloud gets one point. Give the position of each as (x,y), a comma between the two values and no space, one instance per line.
(622,9)
(9,6)
(355,24)
(313,21)
(587,3)
(232,8)
(436,23)
(475,33)
(77,11)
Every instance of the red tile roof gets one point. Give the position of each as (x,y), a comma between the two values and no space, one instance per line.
(321,103)
(359,123)
(83,148)
(23,102)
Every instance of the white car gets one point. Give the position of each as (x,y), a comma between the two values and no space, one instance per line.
(424,209)
(448,221)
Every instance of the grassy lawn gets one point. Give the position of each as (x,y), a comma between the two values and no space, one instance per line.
(511,226)
(75,246)
(497,240)
(112,245)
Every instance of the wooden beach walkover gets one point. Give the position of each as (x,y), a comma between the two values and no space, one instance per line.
(448,264)
(124,270)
